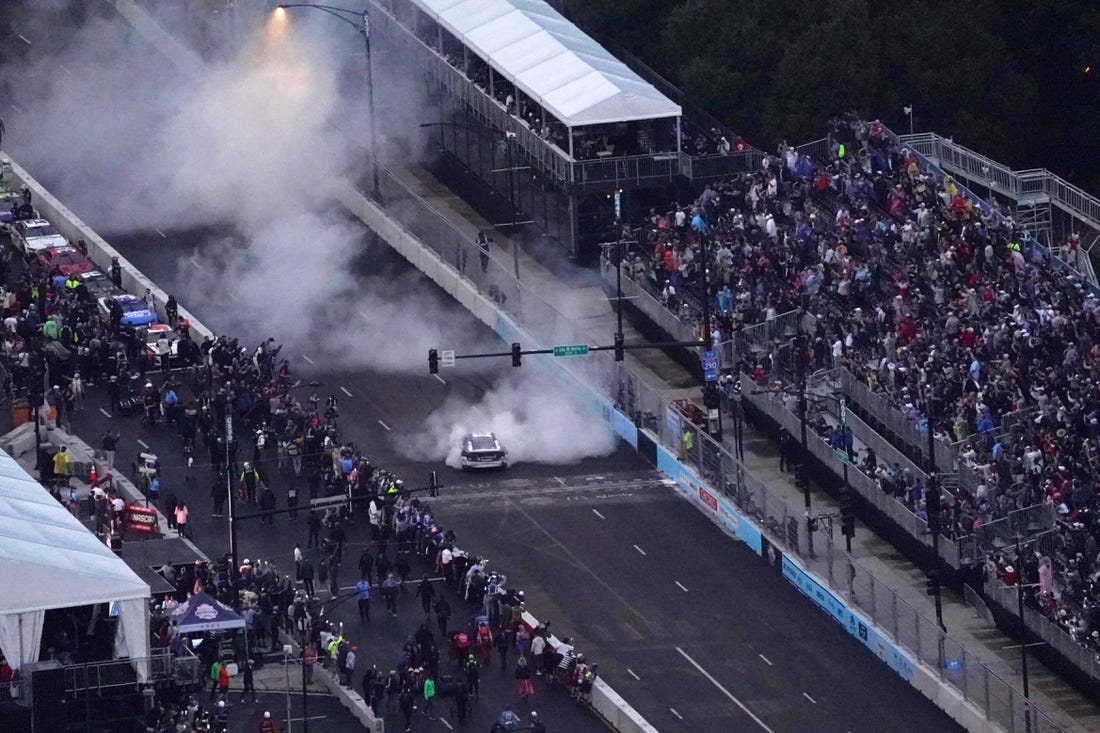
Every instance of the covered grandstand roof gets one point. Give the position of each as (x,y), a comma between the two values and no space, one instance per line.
(48,559)
(551,60)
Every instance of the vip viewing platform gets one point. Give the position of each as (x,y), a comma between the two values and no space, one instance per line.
(579,115)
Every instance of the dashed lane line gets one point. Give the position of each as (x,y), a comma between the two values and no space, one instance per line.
(724,691)
(345,391)
(441,380)
(642,553)
(105,413)
(630,672)
(597,513)
(143,444)
(807,696)
(766,660)
(680,586)
(162,234)
(387,427)
(25,40)
(673,711)
(308,359)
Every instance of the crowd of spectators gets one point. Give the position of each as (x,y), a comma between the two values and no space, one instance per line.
(929,297)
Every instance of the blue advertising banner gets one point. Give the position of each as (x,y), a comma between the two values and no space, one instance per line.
(855,625)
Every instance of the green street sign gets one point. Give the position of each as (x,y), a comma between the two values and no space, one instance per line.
(571,350)
(841,455)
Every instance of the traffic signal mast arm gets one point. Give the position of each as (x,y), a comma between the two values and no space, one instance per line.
(516,351)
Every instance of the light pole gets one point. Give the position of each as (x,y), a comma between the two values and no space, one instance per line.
(908,110)
(360,21)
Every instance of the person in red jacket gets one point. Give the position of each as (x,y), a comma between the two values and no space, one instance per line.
(267,725)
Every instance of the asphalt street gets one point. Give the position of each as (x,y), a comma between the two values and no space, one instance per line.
(692,629)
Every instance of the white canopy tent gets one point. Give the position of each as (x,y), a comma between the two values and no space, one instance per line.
(551,60)
(48,559)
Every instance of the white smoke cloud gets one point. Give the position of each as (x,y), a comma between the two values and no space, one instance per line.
(251,143)
(533,422)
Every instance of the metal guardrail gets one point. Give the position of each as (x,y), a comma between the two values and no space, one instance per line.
(640,295)
(1082,657)
(120,672)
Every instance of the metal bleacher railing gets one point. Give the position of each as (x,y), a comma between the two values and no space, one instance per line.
(1035,185)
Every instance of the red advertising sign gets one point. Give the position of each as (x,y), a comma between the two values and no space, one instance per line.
(141,519)
(707,498)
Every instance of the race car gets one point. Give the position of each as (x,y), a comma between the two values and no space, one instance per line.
(162,341)
(127,309)
(96,285)
(483,450)
(66,260)
(35,235)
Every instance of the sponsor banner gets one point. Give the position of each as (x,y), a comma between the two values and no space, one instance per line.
(719,510)
(855,624)
(140,519)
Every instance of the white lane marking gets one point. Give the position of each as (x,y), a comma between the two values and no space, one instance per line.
(560,480)
(681,586)
(806,695)
(195,263)
(143,444)
(24,39)
(364,315)
(673,711)
(345,391)
(597,513)
(444,722)
(642,552)
(17,108)
(387,427)
(441,380)
(105,413)
(65,69)
(724,691)
(162,234)
(630,672)
(766,660)
(308,359)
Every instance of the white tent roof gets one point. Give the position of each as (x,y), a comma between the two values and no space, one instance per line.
(48,559)
(551,60)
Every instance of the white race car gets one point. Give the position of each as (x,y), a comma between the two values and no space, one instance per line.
(483,450)
(32,236)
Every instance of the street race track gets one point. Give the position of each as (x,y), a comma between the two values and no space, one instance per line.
(577,546)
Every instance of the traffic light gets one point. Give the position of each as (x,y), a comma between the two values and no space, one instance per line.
(932,585)
(517,355)
(848,525)
(619,354)
(932,508)
(433,361)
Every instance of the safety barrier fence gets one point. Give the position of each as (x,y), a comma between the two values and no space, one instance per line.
(640,295)
(784,526)
(120,672)
(1084,658)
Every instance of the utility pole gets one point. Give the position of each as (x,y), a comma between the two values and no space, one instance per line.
(232,502)
(802,478)
(934,509)
(847,515)
(1023,632)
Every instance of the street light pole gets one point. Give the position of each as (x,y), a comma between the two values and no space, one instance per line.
(1023,632)
(361,24)
(933,507)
